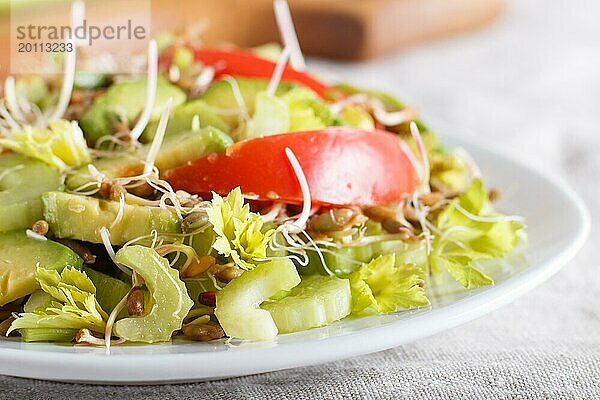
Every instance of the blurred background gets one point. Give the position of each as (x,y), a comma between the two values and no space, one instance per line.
(342,29)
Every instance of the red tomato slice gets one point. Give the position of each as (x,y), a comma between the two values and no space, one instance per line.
(343,166)
(246,64)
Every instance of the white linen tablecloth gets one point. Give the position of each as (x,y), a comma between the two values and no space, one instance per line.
(529,83)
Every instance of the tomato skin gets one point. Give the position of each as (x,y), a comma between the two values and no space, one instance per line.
(343,166)
(246,64)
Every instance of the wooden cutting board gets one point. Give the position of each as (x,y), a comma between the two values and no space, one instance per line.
(343,29)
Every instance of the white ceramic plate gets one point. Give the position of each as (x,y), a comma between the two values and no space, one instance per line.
(558,225)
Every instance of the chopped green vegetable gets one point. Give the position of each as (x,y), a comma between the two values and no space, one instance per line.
(337,259)
(33,89)
(271,116)
(307,110)
(382,286)
(126,99)
(90,80)
(171,300)
(38,300)
(109,290)
(48,335)
(450,170)
(183,57)
(177,149)
(181,120)
(472,231)
(69,216)
(20,257)
(74,304)
(164,39)
(357,118)
(237,304)
(269,51)
(239,231)
(22,182)
(390,104)
(222,97)
(299,109)
(317,301)
(61,145)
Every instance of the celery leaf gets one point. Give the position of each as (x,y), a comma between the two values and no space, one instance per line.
(74,304)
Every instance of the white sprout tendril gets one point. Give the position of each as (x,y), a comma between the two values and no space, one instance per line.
(449,232)
(339,105)
(105,236)
(111,320)
(414,130)
(8,121)
(85,336)
(273,212)
(67,85)
(119,216)
(278,71)
(10,170)
(151,179)
(77,15)
(290,229)
(174,73)
(158,137)
(300,223)
(239,99)
(287,31)
(298,247)
(203,80)
(411,158)
(488,219)
(34,235)
(151,84)
(196,123)
(446,240)
(77,19)
(469,161)
(400,215)
(12,103)
(421,214)
(319,252)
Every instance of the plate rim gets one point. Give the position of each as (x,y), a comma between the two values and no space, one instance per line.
(116,369)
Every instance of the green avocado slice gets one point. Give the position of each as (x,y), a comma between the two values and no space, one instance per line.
(20,256)
(127,98)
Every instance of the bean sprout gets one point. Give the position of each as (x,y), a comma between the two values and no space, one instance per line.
(151,85)
(288,34)
(278,71)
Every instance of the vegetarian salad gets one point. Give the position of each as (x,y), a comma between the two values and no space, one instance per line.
(227,193)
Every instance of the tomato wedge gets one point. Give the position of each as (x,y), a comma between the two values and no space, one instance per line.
(246,64)
(343,166)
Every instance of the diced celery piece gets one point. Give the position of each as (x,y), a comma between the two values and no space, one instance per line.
(38,300)
(238,309)
(340,260)
(47,335)
(171,300)
(109,290)
(316,301)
